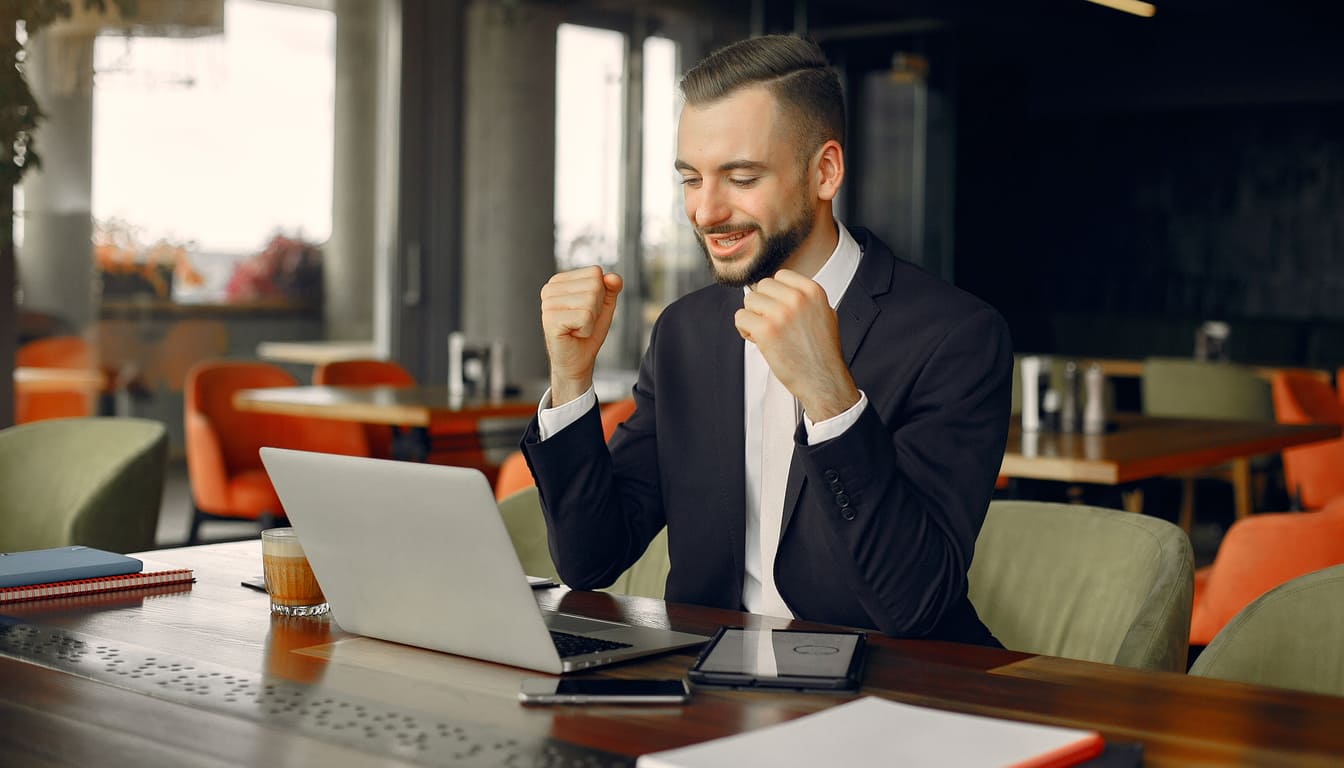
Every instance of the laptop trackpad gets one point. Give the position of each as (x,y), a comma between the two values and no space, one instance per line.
(577,625)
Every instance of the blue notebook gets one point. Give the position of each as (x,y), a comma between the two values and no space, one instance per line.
(43,566)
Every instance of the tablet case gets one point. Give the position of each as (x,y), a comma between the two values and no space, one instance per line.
(746,678)
(42,566)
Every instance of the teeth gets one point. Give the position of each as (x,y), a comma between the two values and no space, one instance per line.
(729,240)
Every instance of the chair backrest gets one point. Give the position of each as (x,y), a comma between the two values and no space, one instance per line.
(1084,583)
(366,373)
(1315,473)
(1260,553)
(48,403)
(209,402)
(1204,390)
(362,373)
(521,511)
(96,482)
(1288,637)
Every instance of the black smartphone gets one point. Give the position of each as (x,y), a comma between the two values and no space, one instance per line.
(597,690)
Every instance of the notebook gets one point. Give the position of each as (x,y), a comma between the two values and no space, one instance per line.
(418,554)
(43,566)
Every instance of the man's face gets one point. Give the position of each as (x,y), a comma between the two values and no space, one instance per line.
(745,188)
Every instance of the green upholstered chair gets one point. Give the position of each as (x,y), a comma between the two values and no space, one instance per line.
(522,517)
(521,511)
(1085,583)
(91,481)
(1204,390)
(1197,389)
(1288,637)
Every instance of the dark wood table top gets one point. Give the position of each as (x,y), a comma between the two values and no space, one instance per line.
(398,406)
(1146,446)
(219,633)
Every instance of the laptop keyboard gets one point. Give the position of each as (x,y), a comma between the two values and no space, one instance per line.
(577,645)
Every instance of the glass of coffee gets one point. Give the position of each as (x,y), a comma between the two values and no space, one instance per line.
(289,579)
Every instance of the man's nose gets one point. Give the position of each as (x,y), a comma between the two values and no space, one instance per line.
(710,206)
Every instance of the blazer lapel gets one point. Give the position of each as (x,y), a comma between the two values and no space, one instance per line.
(855,315)
(727,416)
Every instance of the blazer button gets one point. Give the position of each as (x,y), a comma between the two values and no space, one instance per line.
(836,487)
(847,513)
(831,475)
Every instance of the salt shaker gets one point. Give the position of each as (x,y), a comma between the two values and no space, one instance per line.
(1031,406)
(1094,412)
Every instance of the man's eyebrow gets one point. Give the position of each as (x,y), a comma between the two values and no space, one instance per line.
(731,165)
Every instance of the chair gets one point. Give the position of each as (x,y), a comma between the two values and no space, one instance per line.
(1287,637)
(513,472)
(521,511)
(1198,389)
(227,478)
(186,343)
(96,482)
(1258,554)
(1314,473)
(33,404)
(366,373)
(1084,583)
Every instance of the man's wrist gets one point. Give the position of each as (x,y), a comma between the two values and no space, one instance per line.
(567,390)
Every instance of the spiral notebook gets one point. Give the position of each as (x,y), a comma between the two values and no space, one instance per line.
(100,584)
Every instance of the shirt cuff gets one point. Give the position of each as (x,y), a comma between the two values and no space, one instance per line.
(552,420)
(826,429)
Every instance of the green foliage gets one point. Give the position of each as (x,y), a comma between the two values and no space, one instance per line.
(19,111)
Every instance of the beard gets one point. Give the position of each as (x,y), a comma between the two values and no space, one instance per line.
(775,249)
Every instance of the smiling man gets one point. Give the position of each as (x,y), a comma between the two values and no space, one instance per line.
(821,430)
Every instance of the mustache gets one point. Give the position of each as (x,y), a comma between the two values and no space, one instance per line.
(725,229)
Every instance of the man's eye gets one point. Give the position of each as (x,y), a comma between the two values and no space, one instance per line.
(743,182)
(690,181)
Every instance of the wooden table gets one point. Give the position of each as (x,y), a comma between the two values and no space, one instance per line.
(218,637)
(422,418)
(1141,447)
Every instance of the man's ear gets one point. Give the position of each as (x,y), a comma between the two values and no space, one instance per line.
(830,169)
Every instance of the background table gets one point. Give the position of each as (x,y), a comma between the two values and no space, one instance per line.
(317,677)
(1141,447)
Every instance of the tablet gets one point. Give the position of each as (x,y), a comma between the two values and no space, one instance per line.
(781,658)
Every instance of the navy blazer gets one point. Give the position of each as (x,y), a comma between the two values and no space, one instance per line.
(879,523)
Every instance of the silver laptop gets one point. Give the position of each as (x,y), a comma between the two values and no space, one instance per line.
(418,554)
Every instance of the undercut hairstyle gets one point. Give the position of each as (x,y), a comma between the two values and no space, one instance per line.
(796,73)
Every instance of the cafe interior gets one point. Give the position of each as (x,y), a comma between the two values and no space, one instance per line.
(324,224)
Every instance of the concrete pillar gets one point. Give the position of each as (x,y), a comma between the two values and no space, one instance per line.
(348,258)
(55,262)
(508,229)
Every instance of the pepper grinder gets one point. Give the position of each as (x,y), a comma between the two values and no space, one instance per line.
(1094,412)
(1068,411)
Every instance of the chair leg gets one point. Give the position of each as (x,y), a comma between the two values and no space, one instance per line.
(1186,516)
(194,532)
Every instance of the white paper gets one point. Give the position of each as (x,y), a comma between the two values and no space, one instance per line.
(877,732)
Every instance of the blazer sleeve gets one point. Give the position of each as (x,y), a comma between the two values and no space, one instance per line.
(903,494)
(600,514)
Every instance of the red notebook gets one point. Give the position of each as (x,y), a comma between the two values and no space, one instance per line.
(100,584)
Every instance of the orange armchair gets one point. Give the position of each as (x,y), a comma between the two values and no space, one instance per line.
(224,469)
(366,373)
(1314,473)
(1258,554)
(513,472)
(33,402)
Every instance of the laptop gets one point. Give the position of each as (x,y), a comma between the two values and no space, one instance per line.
(418,554)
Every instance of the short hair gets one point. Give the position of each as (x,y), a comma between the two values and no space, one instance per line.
(794,70)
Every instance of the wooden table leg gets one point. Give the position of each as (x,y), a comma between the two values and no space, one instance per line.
(1241,487)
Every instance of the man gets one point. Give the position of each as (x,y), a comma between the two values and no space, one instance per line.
(820,432)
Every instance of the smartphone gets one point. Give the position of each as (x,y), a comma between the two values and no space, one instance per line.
(598,690)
